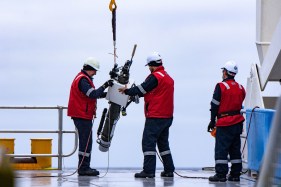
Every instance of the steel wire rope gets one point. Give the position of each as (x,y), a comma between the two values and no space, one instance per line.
(112,7)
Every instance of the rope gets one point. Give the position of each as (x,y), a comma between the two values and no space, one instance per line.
(182,175)
(242,152)
(246,139)
(108,136)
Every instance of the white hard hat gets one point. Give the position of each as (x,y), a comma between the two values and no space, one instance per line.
(91,61)
(231,67)
(154,58)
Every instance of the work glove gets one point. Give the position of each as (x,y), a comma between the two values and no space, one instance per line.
(103,95)
(107,83)
(211,126)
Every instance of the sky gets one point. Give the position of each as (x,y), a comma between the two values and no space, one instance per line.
(43,45)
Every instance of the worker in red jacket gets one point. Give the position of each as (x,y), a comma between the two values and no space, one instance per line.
(226,117)
(82,109)
(158,93)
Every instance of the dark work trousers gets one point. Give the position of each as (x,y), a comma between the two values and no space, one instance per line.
(228,142)
(84,128)
(156,131)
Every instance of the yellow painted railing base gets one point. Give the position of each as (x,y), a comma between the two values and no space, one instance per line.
(30,166)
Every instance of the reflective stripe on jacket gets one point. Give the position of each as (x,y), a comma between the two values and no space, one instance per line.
(80,105)
(159,102)
(232,97)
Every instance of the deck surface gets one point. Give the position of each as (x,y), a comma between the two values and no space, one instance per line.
(120,177)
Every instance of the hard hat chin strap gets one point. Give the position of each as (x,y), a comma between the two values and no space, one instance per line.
(230,73)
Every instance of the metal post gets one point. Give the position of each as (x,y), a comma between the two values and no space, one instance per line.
(60,110)
(59,131)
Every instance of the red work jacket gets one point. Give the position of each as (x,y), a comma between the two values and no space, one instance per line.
(232,97)
(80,105)
(159,102)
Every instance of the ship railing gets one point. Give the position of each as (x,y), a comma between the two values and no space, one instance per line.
(60,133)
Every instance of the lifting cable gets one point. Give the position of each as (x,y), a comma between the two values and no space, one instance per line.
(113,8)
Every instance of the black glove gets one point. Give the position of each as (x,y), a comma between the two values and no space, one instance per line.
(107,83)
(103,95)
(211,126)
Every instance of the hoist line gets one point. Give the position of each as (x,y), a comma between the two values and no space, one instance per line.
(113,8)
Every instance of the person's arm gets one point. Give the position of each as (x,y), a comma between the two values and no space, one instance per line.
(86,88)
(215,103)
(149,84)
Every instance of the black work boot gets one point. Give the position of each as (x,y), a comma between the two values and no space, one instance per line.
(233,178)
(167,174)
(88,172)
(142,174)
(217,178)
(84,162)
